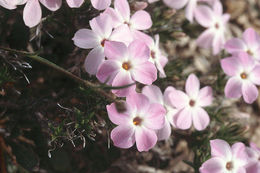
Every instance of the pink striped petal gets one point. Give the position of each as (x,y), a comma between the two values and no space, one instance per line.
(183,119)
(115,50)
(205,96)
(32,13)
(238,151)
(75,3)
(145,139)
(123,136)
(139,51)
(93,60)
(220,148)
(86,39)
(233,88)
(250,92)
(141,20)
(192,86)
(118,118)
(107,71)
(200,119)
(52,5)
(144,73)
(231,66)
(213,165)
(100,4)
(176,4)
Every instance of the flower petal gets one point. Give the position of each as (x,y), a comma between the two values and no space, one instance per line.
(205,40)
(138,101)
(32,13)
(205,96)
(179,99)
(107,71)
(255,75)
(231,66)
(115,50)
(123,136)
(86,39)
(246,61)
(101,25)
(239,152)
(233,88)
(75,3)
(145,139)
(235,45)
(154,94)
(204,15)
(218,43)
(250,92)
(183,119)
(200,119)
(52,5)
(251,38)
(141,20)
(139,51)
(192,86)
(214,164)
(176,4)
(166,95)
(93,60)
(165,132)
(190,10)
(100,4)
(155,116)
(122,34)
(123,8)
(220,148)
(118,118)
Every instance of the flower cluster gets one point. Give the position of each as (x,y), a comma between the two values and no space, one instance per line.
(235,159)
(243,66)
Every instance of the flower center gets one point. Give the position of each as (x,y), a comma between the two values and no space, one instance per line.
(126,65)
(137,121)
(152,54)
(103,42)
(217,26)
(192,103)
(243,75)
(249,52)
(229,166)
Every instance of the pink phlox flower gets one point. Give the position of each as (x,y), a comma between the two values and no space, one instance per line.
(216,23)
(125,65)
(253,153)
(137,123)
(140,20)
(95,39)
(75,3)
(225,159)
(190,105)
(155,96)
(100,4)
(244,75)
(156,55)
(250,43)
(190,8)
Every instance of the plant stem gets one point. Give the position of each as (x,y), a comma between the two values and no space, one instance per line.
(44,61)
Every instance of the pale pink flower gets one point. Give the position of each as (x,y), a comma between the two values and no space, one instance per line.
(137,124)
(190,9)
(250,43)
(253,153)
(225,159)
(190,105)
(125,65)
(244,75)
(100,4)
(156,56)
(75,3)
(155,96)
(11,4)
(216,23)
(140,20)
(96,39)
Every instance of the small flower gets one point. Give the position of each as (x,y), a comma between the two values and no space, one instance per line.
(190,105)
(137,123)
(190,9)
(140,20)
(244,75)
(125,65)
(75,3)
(225,159)
(215,22)
(250,43)
(100,4)
(155,96)
(253,153)
(97,37)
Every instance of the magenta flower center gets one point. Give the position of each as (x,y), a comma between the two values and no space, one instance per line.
(192,103)
(103,42)
(137,121)
(229,166)
(152,54)
(243,75)
(126,65)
